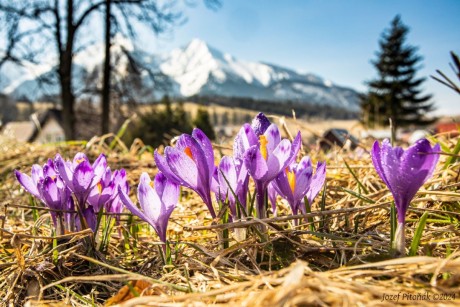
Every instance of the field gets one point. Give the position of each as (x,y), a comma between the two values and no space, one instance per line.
(337,255)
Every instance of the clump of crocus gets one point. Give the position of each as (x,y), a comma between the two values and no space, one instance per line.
(267,159)
(404,172)
(297,181)
(157,200)
(59,183)
(190,164)
(45,185)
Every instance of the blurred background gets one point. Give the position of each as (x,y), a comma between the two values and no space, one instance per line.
(151,69)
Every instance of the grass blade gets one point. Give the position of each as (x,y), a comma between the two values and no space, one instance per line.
(356,178)
(418,235)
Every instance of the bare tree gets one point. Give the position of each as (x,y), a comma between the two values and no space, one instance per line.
(31,27)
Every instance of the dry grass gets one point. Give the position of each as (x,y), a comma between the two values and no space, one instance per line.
(343,261)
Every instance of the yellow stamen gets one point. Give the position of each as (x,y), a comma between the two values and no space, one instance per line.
(291,178)
(80,160)
(263,146)
(188,152)
(99,187)
(151,184)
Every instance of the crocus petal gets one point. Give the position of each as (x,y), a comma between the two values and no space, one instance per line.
(163,166)
(206,146)
(27,183)
(273,137)
(272,193)
(36,173)
(82,178)
(79,158)
(283,188)
(167,190)
(183,166)
(255,163)
(65,172)
(148,198)
(51,194)
(243,140)
(228,178)
(303,174)
(260,123)
(278,160)
(132,207)
(99,167)
(317,182)
(295,147)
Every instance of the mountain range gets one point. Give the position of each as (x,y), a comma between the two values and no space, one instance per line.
(195,69)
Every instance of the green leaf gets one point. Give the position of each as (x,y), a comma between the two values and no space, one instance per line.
(362,197)
(356,178)
(418,235)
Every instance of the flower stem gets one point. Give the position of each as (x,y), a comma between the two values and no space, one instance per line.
(399,243)
(260,198)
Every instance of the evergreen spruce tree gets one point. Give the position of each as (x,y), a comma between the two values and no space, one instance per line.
(396,92)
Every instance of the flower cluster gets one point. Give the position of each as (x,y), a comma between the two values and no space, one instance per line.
(258,153)
(75,191)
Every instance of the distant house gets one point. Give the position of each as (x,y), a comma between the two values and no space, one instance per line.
(452,128)
(338,137)
(43,127)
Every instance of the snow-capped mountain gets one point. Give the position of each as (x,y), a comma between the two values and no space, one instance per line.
(196,69)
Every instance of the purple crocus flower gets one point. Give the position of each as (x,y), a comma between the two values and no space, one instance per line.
(190,164)
(45,185)
(267,159)
(102,191)
(157,200)
(115,205)
(298,181)
(260,124)
(231,183)
(404,172)
(77,175)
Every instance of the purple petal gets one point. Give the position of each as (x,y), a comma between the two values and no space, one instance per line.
(303,173)
(183,166)
(148,198)
(64,171)
(51,194)
(283,187)
(295,148)
(99,167)
(273,137)
(255,163)
(167,190)
(243,140)
(317,182)
(37,173)
(260,123)
(82,178)
(188,145)
(206,146)
(27,183)
(163,166)
(132,207)
(227,178)
(272,193)
(79,158)
(279,159)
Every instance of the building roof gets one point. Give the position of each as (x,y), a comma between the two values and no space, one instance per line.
(27,131)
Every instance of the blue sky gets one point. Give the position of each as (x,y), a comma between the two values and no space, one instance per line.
(335,39)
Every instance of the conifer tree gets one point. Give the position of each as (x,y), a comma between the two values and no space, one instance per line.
(396,92)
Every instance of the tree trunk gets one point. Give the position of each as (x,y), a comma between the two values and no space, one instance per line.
(65,76)
(107,67)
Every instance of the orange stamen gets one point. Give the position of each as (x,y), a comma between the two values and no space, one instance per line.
(263,146)
(291,178)
(80,160)
(99,187)
(188,152)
